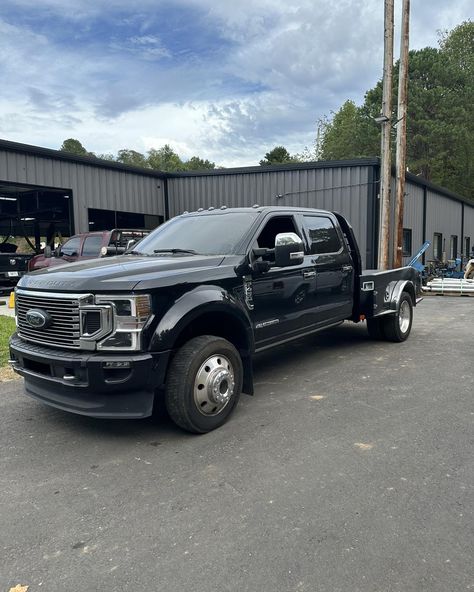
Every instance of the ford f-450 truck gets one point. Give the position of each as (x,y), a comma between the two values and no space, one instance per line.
(181,315)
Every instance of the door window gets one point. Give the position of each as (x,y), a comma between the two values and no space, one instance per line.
(322,235)
(266,238)
(92,245)
(71,247)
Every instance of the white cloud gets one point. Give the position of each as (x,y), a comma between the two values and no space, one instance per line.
(280,66)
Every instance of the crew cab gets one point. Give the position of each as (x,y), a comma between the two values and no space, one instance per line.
(87,245)
(181,315)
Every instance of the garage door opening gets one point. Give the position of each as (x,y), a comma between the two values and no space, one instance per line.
(33,217)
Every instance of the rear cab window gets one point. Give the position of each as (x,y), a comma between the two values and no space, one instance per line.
(322,235)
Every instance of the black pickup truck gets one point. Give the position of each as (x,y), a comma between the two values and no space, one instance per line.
(13,266)
(182,314)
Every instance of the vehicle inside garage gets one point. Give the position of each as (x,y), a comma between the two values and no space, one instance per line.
(31,217)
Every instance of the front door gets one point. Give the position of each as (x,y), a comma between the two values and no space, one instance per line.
(283,298)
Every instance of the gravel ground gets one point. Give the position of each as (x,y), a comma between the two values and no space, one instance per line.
(351,469)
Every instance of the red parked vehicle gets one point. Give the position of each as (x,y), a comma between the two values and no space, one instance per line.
(88,245)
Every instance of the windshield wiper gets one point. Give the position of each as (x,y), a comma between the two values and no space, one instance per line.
(134,253)
(190,251)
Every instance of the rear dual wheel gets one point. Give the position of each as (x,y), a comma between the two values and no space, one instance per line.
(395,327)
(204,383)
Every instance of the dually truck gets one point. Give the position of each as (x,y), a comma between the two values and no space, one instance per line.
(180,316)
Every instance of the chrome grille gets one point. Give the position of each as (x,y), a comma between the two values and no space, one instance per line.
(64,330)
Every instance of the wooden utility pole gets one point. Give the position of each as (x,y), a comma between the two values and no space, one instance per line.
(401,154)
(386,120)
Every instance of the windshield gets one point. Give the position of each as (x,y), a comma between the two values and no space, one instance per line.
(213,234)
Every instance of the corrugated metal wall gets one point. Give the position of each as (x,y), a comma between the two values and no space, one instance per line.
(343,189)
(443,215)
(413,216)
(469,227)
(347,188)
(92,186)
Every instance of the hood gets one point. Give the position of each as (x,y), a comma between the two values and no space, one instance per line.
(122,273)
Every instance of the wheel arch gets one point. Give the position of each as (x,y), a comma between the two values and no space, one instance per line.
(208,310)
(396,289)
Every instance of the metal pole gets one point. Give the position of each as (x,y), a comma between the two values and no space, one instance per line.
(386,113)
(401,153)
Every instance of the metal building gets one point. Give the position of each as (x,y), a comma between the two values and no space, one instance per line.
(350,187)
(41,187)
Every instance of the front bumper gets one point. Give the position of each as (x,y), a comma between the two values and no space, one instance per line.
(79,382)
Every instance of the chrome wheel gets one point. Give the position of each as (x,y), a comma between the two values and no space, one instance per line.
(404,316)
(214,385)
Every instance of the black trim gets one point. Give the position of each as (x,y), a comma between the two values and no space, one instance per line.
(7,145)
(376,191)
(425,200)
(299,166)
(166,199)
(87,160)
(437,188)
(371,230)
(462,230)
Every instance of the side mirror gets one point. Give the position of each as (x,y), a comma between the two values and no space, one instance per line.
(289,249)
(48,253)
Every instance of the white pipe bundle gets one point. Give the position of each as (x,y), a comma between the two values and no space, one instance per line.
(451,286)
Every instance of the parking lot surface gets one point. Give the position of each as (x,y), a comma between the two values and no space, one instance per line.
(351,469)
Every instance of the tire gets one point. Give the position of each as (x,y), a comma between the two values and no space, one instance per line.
(204,384)
(397,327)
(375,327)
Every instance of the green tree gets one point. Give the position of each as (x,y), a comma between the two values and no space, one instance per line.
(132,158)
(440,120)
(350,134)
(195,163)
(164,159)
(279,155)
(74,147)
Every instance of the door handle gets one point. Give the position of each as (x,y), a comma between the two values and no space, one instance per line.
(347,268)
(309,274)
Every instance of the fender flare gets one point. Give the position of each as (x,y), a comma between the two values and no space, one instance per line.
(394,292)
(191,305)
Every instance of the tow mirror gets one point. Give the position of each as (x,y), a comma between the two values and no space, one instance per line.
(48,253)
(289,249)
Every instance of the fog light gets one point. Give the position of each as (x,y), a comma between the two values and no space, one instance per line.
(119,340)
(116,364)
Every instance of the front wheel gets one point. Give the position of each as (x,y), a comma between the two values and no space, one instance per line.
(397,327)
(204,383)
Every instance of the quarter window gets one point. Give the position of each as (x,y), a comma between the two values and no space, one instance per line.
(322,235)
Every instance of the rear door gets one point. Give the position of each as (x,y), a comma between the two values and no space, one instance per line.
(333,265)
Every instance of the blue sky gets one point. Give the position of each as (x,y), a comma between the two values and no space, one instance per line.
(223,80)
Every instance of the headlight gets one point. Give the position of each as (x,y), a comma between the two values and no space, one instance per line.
(131,314)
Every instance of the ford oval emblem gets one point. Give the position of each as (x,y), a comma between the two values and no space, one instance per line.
(38,319)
